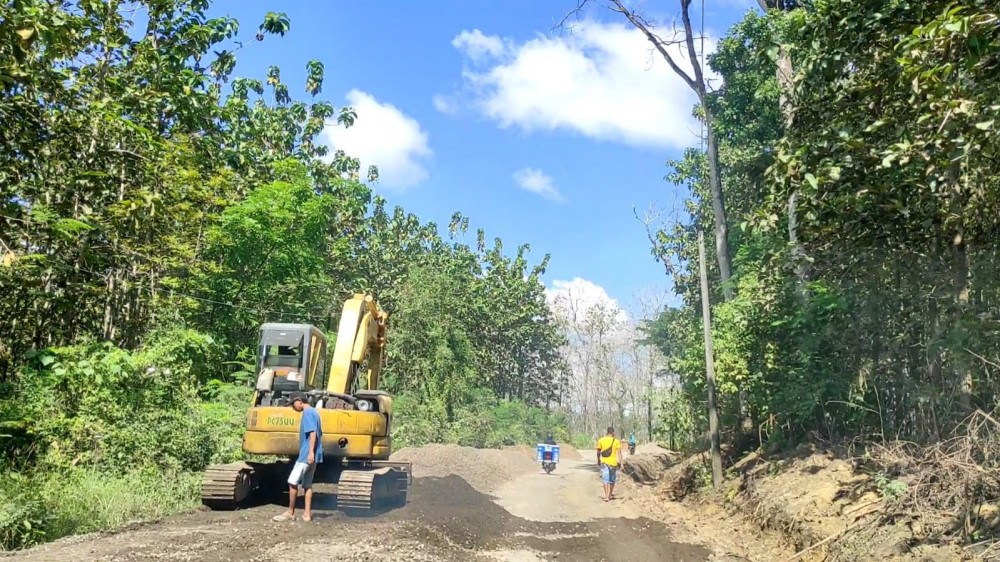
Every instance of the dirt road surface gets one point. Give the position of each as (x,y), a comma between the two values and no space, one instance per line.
(533,517)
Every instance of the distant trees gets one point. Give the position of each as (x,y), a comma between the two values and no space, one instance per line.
(612,369)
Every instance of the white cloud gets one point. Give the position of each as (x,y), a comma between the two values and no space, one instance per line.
(383,136)
(445,104)
(537,182)
(580,297)
(603,81)
(476,45)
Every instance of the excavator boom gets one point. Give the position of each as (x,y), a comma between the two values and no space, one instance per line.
(359,350)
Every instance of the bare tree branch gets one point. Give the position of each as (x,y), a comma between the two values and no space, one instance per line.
(642,25)
(580,5)
(647,220)
(689,38)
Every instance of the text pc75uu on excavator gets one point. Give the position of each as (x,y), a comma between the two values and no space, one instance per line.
(356,416)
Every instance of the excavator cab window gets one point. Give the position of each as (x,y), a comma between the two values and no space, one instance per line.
(281,356)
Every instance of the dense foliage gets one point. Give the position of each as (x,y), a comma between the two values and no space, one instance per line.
(865,217)
(154,210)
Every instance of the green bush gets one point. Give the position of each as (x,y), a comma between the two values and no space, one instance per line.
(225,420)
(170,440)
(97,405)
(24,518)
(417,423)
(583,441)
(100,436)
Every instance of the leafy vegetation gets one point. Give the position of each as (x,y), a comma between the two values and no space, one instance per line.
(154,210)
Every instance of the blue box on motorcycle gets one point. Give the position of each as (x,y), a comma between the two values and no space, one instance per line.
(547,453)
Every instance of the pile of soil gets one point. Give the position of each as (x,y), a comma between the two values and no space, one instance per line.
(450,510)
(649,463)
(568,451)
(654,449)
(486,470)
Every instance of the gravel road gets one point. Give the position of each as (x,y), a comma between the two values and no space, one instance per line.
(528,517)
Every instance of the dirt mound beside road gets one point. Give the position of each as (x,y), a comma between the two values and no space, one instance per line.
(484,469)
(649,463)
(654,449)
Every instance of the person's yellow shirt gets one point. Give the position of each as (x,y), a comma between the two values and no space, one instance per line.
(609,442)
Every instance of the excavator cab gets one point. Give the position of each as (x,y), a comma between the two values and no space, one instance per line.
(290,358)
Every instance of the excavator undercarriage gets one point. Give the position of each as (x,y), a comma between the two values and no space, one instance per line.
(356,417)
(358,486)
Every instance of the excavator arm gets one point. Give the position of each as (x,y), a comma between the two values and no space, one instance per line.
(360,347)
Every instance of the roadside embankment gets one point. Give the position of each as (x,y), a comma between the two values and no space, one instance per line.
(892,501)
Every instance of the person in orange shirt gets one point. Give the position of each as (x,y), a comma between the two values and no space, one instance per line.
(609,458)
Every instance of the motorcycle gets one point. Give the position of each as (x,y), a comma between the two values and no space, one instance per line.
(548,455)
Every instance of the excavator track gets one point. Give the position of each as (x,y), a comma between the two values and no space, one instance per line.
(355,490)
(364,490)
(225,486)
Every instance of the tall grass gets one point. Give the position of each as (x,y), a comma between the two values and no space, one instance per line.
(49,506)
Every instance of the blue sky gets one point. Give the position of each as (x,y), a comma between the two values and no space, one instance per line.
(539,136)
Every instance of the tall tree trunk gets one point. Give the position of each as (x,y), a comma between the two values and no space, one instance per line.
(960,269)
(718,208)
(696,82)
(713,409)
(649,405)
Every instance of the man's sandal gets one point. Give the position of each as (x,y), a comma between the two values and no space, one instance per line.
(283,517)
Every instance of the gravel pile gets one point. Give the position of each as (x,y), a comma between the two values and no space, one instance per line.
(486,470)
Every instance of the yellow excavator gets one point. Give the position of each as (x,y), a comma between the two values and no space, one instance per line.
(356,417)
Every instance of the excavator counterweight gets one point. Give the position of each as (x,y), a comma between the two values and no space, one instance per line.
(356,416)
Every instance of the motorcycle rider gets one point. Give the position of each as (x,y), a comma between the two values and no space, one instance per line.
(549,440)
(631,443)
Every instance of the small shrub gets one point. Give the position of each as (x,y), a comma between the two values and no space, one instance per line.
(583,441)
(889,488)
(23,516)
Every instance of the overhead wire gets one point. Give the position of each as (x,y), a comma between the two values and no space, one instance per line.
(248,309)
(173,293)
(703,108)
